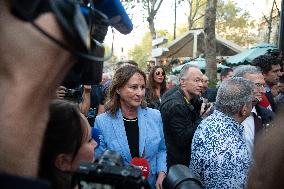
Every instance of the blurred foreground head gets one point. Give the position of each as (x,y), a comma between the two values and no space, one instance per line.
(267,170)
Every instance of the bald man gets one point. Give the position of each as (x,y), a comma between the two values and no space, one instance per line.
(181,113)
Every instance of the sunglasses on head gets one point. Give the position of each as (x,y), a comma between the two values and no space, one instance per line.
(160,73)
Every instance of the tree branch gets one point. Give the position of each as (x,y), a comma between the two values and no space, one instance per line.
(266,19)
(277,8)
(158,7)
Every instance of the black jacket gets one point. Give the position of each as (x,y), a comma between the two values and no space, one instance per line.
(266,115)
(271,100)
(180,120)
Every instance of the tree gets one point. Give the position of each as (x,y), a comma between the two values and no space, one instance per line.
(196,12)
(231,21)
(151,7)
(113,58)
(270,19)
(141,53)
(210,39)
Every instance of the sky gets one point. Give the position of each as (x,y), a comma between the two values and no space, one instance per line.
(165,20)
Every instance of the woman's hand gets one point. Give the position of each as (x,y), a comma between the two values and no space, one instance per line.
(60,92)
(205,109)
(160,179)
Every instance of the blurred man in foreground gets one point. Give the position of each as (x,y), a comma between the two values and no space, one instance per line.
(34,58)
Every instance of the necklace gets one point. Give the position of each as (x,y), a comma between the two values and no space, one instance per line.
(126,119)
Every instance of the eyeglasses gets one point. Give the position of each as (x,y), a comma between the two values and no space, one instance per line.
(159,73)
(259,85)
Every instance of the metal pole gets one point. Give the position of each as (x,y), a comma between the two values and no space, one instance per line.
(175,24)
(281,30)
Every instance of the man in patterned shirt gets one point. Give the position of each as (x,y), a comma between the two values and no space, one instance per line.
(219,156)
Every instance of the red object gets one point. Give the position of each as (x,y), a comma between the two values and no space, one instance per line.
(264,103)
(142,164)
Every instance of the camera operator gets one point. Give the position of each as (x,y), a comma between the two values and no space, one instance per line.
(75,95)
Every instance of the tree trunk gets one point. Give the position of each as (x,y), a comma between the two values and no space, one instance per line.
(270,23)
(210,39)
(152,27)
(189,23)
(175,24)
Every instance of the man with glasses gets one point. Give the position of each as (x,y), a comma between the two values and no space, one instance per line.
(181,113)
(172,81)
(259,116)
(271,70)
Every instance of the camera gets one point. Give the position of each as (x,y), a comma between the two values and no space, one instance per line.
(73,95)
(110,171)
(180,177)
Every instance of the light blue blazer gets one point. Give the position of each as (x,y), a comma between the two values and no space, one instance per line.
(151,139)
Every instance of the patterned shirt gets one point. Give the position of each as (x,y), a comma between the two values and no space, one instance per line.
(219,157)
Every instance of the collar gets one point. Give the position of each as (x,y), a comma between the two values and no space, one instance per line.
(267,88)
(185,99)
(227,120)
(183,94)
(254,110)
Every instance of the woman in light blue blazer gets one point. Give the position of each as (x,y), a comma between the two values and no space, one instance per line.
(131,129)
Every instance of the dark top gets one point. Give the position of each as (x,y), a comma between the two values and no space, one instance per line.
(17,182)
(266,114)
(97,98)
(271,100)
(132,133)
(152,103)
(180,119)
(210,94)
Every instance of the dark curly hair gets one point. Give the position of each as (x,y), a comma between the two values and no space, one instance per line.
(265,62)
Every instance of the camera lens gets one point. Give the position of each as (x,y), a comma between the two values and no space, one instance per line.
(111,158)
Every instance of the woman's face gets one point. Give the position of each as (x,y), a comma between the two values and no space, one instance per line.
(133,92)
(159,75)
(86,151)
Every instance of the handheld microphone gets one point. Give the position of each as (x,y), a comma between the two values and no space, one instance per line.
(142,164)
(96,135)
(116,13)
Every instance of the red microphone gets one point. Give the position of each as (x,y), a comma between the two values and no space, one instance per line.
(142,164)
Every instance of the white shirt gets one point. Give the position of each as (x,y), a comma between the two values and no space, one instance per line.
(248,124)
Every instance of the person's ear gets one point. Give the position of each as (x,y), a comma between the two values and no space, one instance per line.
(117,91)
(182,82)
(244,110)
(264,75)
(63,162)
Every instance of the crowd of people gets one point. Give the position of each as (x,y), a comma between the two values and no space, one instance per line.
(225,135)
(210,130)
